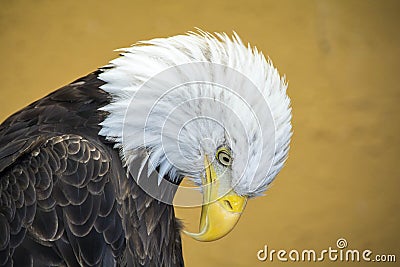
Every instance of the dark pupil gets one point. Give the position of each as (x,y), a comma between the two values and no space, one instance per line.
(225,159)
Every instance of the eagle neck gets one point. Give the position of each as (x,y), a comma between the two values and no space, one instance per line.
(154,232)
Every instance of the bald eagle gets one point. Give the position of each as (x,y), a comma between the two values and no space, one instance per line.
(88,174)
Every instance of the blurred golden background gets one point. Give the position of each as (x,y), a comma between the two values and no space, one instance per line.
(342,61)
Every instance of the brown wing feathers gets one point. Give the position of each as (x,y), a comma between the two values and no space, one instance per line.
(70,172)
(65,199)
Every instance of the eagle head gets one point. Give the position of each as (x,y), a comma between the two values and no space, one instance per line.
(201,106)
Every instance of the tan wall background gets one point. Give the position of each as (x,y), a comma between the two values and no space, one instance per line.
(342,62)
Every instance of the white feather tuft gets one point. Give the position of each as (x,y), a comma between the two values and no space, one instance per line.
(138,132)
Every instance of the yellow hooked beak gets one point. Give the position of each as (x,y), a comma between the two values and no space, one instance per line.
(218,215)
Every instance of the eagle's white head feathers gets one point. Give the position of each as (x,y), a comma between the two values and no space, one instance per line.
(178,99)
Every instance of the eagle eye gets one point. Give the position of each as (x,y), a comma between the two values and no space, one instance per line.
(224,156)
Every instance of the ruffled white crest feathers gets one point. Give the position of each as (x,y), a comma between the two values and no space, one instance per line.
(143,61)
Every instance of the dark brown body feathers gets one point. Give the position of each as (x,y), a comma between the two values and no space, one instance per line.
(65,199)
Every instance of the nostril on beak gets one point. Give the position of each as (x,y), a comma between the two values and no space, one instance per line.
(228,204)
